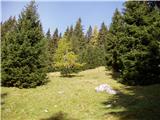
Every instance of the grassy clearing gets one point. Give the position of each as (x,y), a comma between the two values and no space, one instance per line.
(74,98)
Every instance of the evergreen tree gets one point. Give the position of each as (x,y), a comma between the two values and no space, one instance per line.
(8,25)
(93,57)
(140,43)
(50,43)
(52,46)
(99,41)
(55,39)
(88,35)
(48,34)
(78,41)
(102,35)
(50,50)
(68,33)
(112,45)
(94,37)
(23,54)
(117,23)
(53,42)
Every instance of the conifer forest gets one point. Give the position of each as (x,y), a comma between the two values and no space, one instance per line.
(53,75)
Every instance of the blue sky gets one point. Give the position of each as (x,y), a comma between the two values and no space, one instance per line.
(62,14)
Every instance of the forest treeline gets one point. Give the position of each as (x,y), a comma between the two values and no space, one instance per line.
(130,47)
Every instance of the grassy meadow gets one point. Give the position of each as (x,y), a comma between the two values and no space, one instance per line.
(75,98)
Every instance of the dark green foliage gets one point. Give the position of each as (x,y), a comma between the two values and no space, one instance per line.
(49,51)
(136,50)
(48,34)
(52,46)
(68,33)
(117,23)
(88,35)
(78,41)
(93,57)
(55,39)
(8,26)
(23,52)
(112,46)
(130,47)
(142,59)
(102,36)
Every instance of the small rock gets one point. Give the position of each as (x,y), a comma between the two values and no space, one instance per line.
(60,92)
(46,110)
(106,88)
(108,106)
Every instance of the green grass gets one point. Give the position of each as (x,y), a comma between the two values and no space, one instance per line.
(75,98)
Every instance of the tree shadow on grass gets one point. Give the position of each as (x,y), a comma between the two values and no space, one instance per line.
(71,76)
(136,103)
(59,116)
(113,74)
(3,96)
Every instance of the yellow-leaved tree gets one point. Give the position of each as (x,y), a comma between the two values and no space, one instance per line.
(66,61)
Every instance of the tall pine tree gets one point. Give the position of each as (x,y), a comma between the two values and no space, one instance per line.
(88,35)
(102,35)
(50,50)
(112,45)
(78,41)
(94,37)
(55,39)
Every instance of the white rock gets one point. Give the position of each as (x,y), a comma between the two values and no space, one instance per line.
(106,88)
(46,110)
(108,106)
(60,92)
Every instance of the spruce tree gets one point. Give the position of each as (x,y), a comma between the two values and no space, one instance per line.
(23,54)
(55,39)
(94,37)
(102,35)
(99,42)
(88,35)
(117,23)
(48,34)
(141,58)
(8,25)
(93,56)
(52,46)
(112,45)
(68,33)
(78,40)
(49,50)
